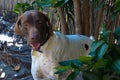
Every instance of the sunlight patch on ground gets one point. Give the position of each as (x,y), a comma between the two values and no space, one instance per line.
(8,39)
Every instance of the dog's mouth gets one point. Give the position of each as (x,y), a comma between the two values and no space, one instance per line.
(35,46)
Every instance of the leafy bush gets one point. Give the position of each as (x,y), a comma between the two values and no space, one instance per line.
(22,7)
(102,63)
(37,5)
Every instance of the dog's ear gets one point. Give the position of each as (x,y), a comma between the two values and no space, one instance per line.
(17,27)
(49,24)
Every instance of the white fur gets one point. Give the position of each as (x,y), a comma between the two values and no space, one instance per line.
(56,49)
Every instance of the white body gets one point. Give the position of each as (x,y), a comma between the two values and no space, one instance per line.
(58,48)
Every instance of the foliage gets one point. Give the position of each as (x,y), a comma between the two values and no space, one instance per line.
(22,7)
(51,3)
(116,7)
(38,4)
(111,6)
(102,63)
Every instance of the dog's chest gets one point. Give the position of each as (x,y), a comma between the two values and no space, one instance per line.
(42,66)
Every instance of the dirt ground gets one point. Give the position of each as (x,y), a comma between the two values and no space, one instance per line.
(15,65)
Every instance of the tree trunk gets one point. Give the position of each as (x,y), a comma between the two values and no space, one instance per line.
(77,12)
(92,19)
(64,27)
(99,20)
(86,22)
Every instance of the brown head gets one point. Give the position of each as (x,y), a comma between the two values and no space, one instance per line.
(35,26)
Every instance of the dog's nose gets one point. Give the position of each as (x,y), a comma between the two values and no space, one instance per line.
(34,37)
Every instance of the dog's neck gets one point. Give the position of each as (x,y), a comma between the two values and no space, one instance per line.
(46,39)
(46,46)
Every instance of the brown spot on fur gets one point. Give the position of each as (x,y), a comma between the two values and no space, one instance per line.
(39,74)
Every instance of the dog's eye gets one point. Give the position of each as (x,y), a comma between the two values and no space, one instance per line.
(26,25)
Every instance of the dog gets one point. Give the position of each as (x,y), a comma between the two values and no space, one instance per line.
(49,47)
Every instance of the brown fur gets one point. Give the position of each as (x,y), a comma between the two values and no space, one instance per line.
(35,26)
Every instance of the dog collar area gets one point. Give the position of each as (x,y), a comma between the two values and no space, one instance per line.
(35,52)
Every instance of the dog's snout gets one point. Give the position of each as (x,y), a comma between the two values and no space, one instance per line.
(33,36)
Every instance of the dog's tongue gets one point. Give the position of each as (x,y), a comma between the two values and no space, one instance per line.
(35,46)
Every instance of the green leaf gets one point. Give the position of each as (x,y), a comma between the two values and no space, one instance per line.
(22,7)
(60,3)
(117,2)
(117,33)
(68,65)
(61,69)
(102,50)
(104,33)
(17,8)
(77,62)
(52,3)
(92,53)
(69,62)
(18,5)
(16,11)
(90,76)
(65,63)
(115,66)
(99,64)
(86,59)
(44,4)
(75,66)
(73,75)
(116,10)
(114,52)
(95,45)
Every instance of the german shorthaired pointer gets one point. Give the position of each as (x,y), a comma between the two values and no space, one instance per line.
(49,47)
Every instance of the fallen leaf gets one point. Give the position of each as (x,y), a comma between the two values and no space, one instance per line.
(17,67)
